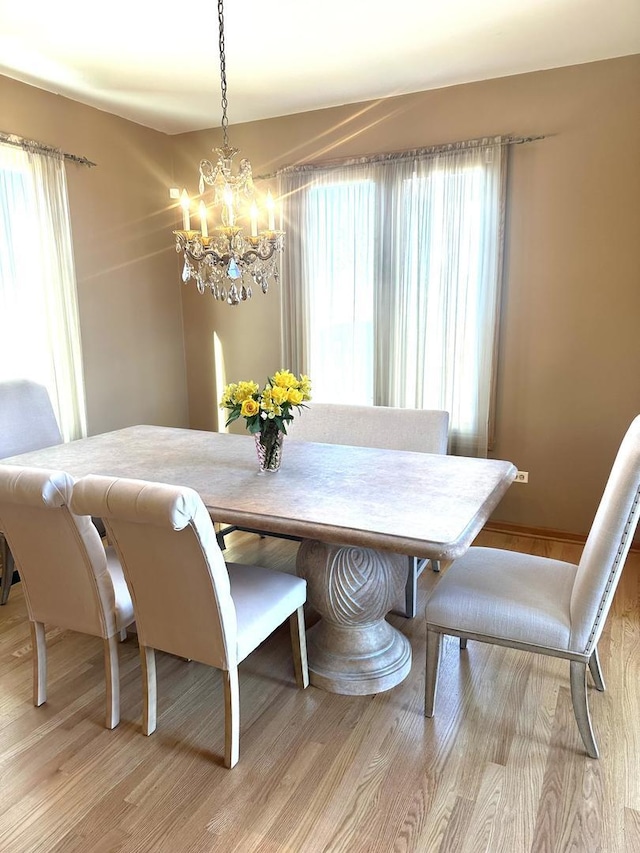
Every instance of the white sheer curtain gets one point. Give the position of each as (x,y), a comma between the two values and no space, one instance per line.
(394,268)
(39,324)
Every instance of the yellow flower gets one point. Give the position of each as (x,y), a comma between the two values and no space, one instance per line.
(285,379)
(228,396)
(266,401)
(305,387)
(244,390)
(294,396)
(280,395)
(249,408)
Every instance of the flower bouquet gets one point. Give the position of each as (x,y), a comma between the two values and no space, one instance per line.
(268,411)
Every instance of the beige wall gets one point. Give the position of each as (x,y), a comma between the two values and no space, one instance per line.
(129,302)
(569,374)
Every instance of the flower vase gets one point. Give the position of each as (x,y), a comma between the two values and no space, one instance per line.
(269,449)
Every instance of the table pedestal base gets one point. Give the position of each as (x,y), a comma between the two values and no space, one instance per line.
(353,649)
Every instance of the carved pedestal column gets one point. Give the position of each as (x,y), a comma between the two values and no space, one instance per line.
(352,649)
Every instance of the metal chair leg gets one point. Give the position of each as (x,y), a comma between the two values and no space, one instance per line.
(578,674)
(434,652)
(595,670)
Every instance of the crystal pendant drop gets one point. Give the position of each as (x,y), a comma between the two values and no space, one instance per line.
(232,270)
(186,271)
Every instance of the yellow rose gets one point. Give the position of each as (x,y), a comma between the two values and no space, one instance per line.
(249,408)
(295,397)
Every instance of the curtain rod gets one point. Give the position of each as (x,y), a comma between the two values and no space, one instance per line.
(41,148)
(432,151)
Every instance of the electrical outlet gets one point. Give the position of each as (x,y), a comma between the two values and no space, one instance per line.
(522,477)
(174,192)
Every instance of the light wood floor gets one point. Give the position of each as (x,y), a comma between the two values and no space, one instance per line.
(500,767)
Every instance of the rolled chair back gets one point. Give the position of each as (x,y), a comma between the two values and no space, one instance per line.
(174,568)
(60,556)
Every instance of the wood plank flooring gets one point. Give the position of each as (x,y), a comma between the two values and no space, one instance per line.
(500,768)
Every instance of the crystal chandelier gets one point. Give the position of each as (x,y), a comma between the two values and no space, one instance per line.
(227,261)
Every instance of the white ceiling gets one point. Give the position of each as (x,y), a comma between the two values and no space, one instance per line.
(157,63)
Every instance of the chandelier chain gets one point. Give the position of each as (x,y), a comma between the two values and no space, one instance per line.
(223,73)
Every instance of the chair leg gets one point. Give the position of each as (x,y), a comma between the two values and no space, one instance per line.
(112,678)
(578,674)
(463,643)
(411,588)
(414,566)
(7,570)
(434,650)
(231,717)
(39,644)
(596,671)
(149,689)
(299,647)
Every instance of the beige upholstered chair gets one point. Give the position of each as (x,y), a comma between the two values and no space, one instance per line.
(27,422)
(539,604)
(419,430)
(69,579)
(187,601)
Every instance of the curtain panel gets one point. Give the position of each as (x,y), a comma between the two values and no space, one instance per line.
(39,321)
(391,282)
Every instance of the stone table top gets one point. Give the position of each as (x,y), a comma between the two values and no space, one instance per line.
(420,504)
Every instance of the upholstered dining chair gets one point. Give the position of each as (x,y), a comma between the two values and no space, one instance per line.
(385,427)
(27,422)
(70,580)
(187,601)
(540,604)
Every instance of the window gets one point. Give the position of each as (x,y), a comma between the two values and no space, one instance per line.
(39,327)
(391,283)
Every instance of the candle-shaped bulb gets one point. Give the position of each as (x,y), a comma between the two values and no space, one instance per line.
(271,207)
(203,220)
(184,204)
(254,220)
(228,200)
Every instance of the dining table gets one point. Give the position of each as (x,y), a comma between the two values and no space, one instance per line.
(359,512)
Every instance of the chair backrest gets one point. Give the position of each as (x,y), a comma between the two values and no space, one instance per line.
(607,545)
(174,568)
(27,420)
(60,556)
(422,430)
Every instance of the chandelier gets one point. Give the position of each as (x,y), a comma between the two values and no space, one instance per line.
(226,260)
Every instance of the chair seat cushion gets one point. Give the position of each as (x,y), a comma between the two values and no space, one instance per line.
(506,595)
(263,599)
(124,605)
